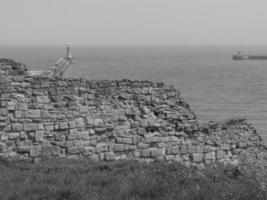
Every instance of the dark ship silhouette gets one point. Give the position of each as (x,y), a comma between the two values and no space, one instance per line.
(239,56)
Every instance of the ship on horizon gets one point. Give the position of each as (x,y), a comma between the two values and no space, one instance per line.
(239,56)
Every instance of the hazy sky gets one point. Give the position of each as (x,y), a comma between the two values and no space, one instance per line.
(133,22)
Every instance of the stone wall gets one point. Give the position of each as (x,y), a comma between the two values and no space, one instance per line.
(111,120)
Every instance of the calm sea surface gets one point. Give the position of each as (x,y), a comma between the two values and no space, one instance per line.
(215,86)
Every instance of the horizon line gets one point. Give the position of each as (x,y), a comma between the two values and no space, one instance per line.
(132,45)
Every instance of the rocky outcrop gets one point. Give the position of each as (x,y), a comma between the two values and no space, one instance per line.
(112,120)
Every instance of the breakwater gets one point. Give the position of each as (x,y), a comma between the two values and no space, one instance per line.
(112,120)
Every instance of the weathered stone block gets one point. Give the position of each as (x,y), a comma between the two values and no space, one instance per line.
(73,157)
(242,145)
(3,104)
(191,149)
(90,121)
(60,137)
(50,150)
(13,136)
(98,122)
(101,156)
(18,114)
(120,132)
(17,127)
(78,135)
(100,130)
(7,128)
(92,141)
(45,84)
(130,147)
(225,147)
(197,157)
(78,143)
(30,127)
(23,106)
(143,146)
(11,155)
(72,124)
(63,125)
(49,127)
(40,127)
(145,153)
(210,156)
(118,147)
(5,96)
(169,150)
(39,136)
(124,140)
(31,135)
(33,114)
(208,162)
(180,133)
(135,140)
(42,99)
(185,158)
(23,135)
(2,124)
(94,158)
(169,157)
(161,144)
(151,139)
(89,150)
(45,114)
(66,143)
(91,132)
(23,149)
(47,107)
(173,139)
(178,158)
(11,105)
(199,149)
(207,149)
(220,154)
(3,111)
(90,96)
(101,147)
(84,135)
(175,150)
(122,118)
(183,149)
(79,122)
(136,153)
(155,152)
(75,150)
(11,118)
(109,156)
(35,152)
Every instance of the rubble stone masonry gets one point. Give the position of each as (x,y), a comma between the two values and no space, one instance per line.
(112,120)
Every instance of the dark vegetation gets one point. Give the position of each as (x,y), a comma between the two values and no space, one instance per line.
(62,179)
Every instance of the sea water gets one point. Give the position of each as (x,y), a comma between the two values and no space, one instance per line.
(215,86)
